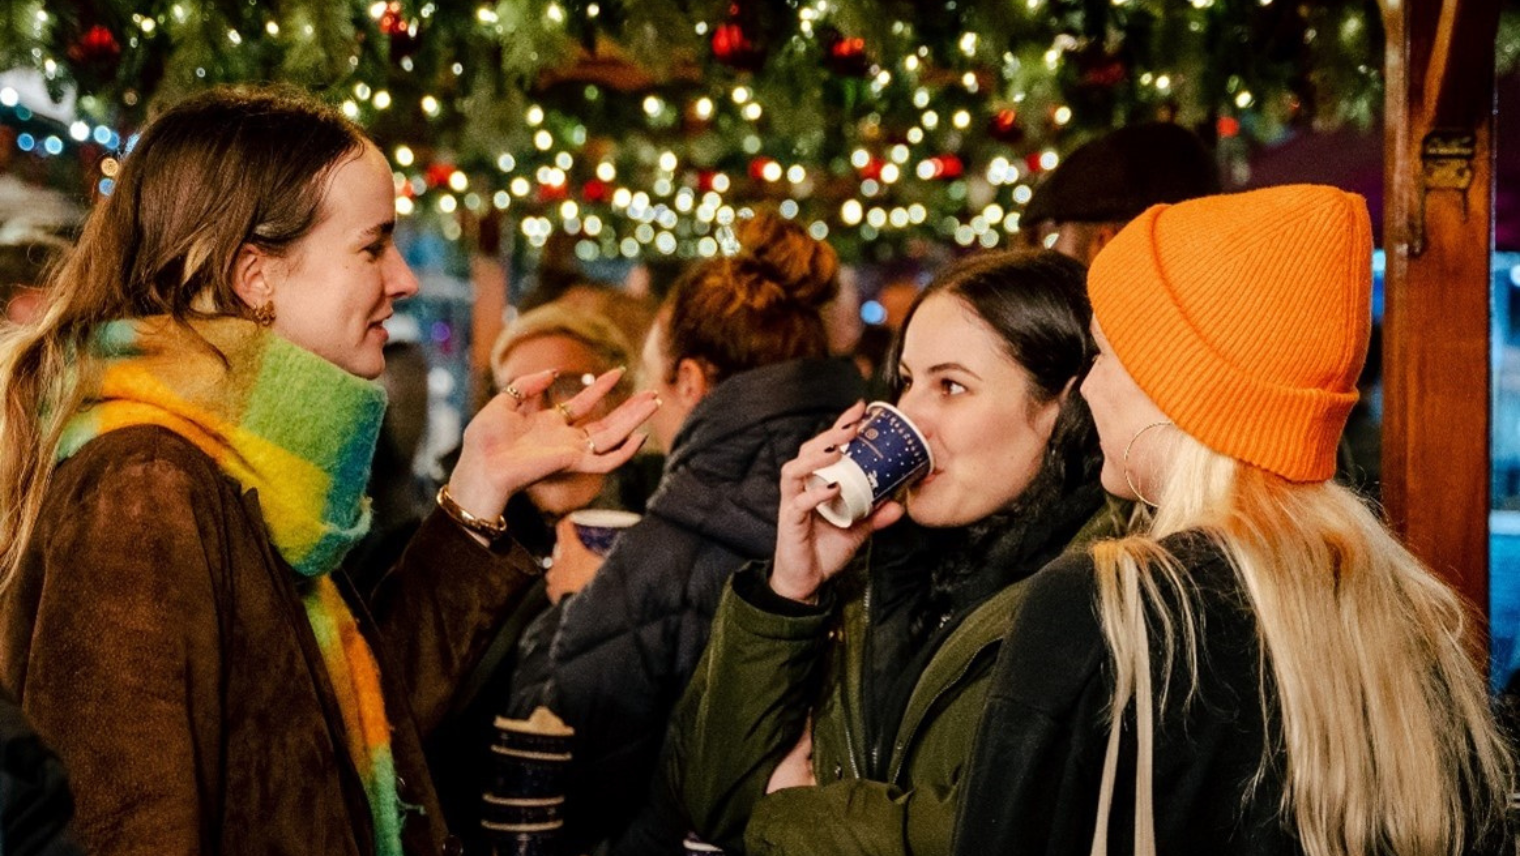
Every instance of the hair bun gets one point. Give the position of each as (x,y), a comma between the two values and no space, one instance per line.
(786,262)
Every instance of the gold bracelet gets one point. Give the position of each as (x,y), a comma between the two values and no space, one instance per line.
(487,529)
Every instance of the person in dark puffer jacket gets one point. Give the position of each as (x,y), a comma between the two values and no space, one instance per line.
(739,357)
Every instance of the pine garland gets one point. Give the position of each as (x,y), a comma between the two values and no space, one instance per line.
(624,82)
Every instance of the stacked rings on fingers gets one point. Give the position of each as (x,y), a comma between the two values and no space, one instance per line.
(513,391)
(564,410)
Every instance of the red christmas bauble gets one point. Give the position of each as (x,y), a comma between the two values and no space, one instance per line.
(597,190)
(845,56)
(733,47)
(1098,67)
(437,174)
(757,167)
(97,46)
(1105,75)
(949,166)
(1005,127)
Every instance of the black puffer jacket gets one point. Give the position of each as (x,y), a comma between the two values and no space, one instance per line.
(629,642)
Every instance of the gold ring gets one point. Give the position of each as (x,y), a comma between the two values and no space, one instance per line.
(512,391)
(564,410)
(590,443)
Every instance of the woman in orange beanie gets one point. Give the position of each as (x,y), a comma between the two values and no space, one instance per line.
(1265,669)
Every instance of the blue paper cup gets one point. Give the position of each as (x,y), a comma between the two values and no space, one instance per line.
(887,454)
(599,528)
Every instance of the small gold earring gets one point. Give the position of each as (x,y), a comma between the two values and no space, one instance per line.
(264,313)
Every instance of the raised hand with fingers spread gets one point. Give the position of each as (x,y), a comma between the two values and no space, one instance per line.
(507,448)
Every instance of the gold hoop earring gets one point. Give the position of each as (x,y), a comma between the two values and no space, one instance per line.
(264,313)
(1130,445)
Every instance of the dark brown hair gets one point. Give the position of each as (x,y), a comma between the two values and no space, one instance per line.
(761,305)
(1036,304)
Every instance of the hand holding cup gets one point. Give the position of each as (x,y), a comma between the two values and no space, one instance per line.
(810,550)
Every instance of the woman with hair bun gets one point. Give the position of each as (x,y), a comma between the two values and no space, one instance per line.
(1265,669)
(739,356)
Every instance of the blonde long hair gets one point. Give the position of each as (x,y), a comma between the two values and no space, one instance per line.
(216,172)
(1390,743)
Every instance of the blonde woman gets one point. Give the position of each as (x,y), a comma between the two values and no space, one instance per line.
(580,346)
(1266,670)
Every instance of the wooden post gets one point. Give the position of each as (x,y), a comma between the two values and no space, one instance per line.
(1438,237)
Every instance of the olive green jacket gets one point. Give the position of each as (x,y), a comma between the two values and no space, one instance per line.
(762,676)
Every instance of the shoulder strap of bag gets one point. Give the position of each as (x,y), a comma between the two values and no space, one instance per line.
(1138,687)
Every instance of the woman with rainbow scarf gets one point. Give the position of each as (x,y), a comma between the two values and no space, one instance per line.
(188,433)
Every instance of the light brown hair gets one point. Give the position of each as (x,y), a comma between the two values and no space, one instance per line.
(219,171)
(763,304)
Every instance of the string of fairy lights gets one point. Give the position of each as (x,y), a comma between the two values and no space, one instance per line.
(875,124)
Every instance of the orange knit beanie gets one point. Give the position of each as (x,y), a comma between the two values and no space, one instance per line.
(1245,317)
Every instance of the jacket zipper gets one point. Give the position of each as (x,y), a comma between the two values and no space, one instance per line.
(849,720)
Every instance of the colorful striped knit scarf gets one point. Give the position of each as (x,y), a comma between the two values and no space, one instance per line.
(301,431)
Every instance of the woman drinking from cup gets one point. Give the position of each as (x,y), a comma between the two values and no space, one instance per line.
(1266,670)
(188,430)
(871,654)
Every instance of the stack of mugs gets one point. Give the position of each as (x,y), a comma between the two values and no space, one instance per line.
(524,807)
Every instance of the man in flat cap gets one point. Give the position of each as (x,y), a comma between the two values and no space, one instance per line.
(1106,183)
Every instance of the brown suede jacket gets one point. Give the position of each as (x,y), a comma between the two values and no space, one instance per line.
(159,643)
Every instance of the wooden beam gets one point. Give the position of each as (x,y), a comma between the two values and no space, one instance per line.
(1438,228)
